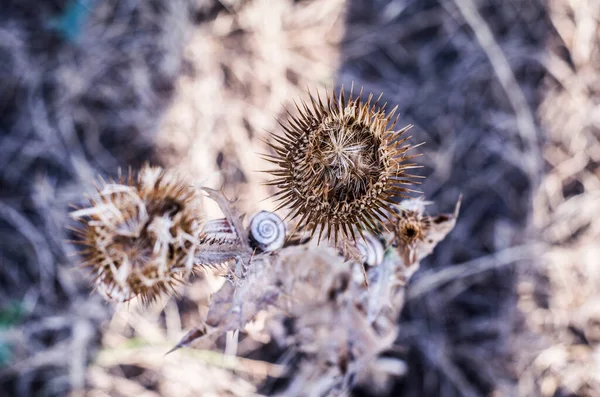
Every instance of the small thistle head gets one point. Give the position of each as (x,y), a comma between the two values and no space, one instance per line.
(340,165)
(140,234)
(411,225)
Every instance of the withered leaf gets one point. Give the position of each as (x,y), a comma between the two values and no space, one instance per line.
(192,335)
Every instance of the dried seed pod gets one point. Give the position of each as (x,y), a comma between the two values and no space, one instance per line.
(340,165)
(415,233)
(410,227)
(140,234)
(266,231)
(371,249)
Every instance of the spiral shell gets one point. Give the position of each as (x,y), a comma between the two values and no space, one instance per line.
(266,231)
(371,250)
(218,231)
(219,247)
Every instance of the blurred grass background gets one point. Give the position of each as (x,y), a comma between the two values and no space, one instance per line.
(504,93)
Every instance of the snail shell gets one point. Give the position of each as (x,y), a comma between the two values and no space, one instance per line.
(371,250)
(218,226)
(218,231)
(266,231)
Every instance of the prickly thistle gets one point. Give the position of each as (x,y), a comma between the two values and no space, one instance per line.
(140,234)
(412,224)
(341,165)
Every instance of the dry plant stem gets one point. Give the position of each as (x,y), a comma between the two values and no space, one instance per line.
(524,115)
(235,363)
(231,346)
(474,267)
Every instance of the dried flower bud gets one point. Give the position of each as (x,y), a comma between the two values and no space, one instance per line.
(415,233)
(411,227)
(140,234)
(341,165)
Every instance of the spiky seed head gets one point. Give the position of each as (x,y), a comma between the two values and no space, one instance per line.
(340,165)
(140,233)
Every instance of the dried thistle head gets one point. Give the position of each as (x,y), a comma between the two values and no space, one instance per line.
(412,225)
(140,233)
(340,165)
(415,233)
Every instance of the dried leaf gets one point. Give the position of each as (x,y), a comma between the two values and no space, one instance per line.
(190,337)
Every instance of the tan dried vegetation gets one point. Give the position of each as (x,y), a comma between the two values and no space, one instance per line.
(342,172)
